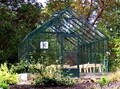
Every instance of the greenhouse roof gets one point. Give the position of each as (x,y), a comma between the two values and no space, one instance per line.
(69,22)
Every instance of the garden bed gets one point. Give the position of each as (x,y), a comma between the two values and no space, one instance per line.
(78,86)
(87,85)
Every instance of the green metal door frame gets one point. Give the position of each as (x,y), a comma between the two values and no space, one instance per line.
(76,73)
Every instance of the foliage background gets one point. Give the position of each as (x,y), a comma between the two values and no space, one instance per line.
(17,18)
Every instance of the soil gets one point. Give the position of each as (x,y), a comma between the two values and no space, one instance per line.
(86,85)
(78,86)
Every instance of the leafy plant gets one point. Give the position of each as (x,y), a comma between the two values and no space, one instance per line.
(67,81)
(103,81)
(114,76)
(50,75)
(20,67)
(7,76)
(54,81)
(4,85)
(23,67)
(46,81)
(117,49)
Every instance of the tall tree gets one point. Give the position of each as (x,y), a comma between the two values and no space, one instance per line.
(86,7)
(53,6)
(107,20)
(17,18)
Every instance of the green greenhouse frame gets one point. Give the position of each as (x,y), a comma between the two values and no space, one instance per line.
(68,38)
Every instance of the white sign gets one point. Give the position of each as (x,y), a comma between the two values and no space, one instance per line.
(44,45)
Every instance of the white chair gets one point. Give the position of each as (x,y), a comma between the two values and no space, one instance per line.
(85,68)
(99,66)
(91,67)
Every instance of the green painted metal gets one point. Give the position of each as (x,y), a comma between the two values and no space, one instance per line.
(84,54)
(91,53)
(66,26)
(88,48)
(78,56)
(95,53)
(63,51)
(61,55)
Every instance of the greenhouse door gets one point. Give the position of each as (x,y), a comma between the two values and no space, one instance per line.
(69,54)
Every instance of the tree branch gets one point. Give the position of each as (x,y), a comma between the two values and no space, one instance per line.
(102,5)
(100,13)
(90,10)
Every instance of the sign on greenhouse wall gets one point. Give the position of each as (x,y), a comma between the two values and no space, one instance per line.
(44,45)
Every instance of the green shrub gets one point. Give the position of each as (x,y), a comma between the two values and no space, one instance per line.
(55,77)
(114,60)
(48,75)
(115,76)
(4,85)
(54,81)
(7,76)
(67,81)
(20,67)
(23,67)
(46,81)
(103,81)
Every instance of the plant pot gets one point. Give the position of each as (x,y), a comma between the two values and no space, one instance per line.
(23,76)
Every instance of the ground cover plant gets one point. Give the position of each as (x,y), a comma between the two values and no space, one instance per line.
(7,77)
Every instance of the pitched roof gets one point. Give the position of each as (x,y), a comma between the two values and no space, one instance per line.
(69,22)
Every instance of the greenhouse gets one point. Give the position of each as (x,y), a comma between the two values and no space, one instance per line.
(66,39)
